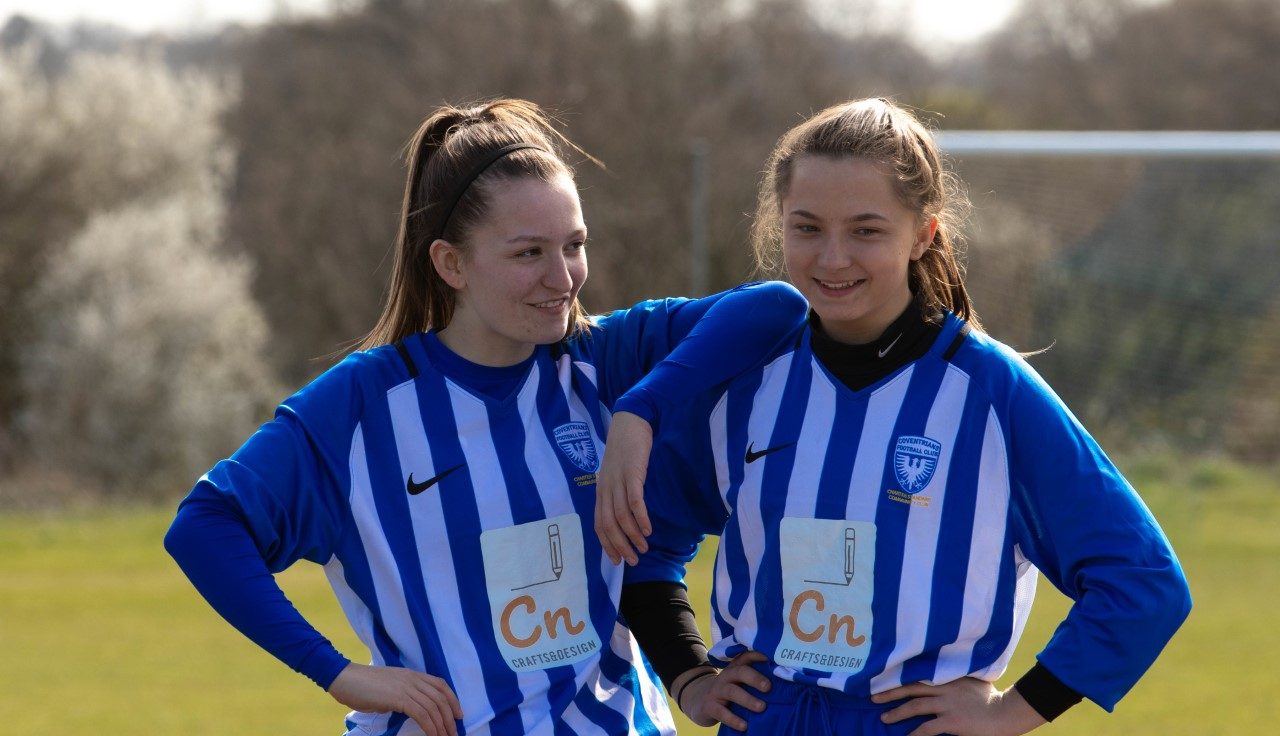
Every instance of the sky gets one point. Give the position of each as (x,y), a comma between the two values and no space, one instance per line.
(950,21)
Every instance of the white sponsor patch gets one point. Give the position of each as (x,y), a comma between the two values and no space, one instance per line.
(537,582)
(827,584)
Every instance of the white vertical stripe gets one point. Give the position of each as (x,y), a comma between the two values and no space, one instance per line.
(361,619)
(588,370)
(579,723)
(494,504)
(357,613)
(651,694)
(382,565)
(915,588)
(811,447)
(539,456)
(991,509)
(865,483)
(723,585)
(760,425)
(1024,594)
(426,513)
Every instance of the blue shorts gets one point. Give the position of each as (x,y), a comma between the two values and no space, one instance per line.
(794,709)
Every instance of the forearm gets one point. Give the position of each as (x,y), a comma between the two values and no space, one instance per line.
(659,615)
(215,550)
(739,329)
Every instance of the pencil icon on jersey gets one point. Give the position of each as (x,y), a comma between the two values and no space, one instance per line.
(557,553)
(850,544)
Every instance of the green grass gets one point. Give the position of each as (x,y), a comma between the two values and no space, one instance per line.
(100,632)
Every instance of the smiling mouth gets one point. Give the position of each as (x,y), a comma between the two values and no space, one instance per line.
(838,285)
(553,304)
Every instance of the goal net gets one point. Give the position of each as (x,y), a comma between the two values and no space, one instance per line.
(1149,266)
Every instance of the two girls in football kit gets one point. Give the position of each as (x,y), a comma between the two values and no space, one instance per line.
(886,483)
(444,474)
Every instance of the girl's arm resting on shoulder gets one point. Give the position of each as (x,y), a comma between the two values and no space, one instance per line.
(732,332)
(212,545)
(1080,522)
(712,340)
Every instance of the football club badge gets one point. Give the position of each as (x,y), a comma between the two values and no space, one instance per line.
(914,460)
(575,442)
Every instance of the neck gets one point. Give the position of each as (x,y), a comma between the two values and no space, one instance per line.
(489,350)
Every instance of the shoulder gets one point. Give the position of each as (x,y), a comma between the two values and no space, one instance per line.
(997,367)
(345,388)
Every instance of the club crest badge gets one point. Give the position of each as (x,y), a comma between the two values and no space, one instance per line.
(575,442)
(914,460)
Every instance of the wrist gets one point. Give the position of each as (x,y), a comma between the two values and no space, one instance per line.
(1016,714)
(681,684)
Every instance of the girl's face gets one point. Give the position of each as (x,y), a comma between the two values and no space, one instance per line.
(847,241)
(518,276)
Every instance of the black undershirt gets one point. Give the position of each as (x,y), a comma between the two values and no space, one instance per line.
(906,339)
(659,613)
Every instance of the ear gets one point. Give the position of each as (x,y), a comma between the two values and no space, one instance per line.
(924,237)
(448,262)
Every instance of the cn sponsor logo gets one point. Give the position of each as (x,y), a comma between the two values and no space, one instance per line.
(523,611)
(808,624)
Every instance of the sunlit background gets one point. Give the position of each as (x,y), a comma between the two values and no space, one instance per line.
(197,201)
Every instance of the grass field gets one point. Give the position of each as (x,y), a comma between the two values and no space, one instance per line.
(100,633)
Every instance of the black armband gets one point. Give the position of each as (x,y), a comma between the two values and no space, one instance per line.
(1045,693)
(659,615)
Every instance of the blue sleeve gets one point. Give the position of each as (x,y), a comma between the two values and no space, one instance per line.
(681,495)
(688,346)
(279,499)
(1081,523)
(211,543)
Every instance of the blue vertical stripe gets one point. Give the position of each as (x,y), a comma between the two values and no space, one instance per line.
(462,518)
(391,500)
(955,533)
(891,519)
(774,483)
(738,415)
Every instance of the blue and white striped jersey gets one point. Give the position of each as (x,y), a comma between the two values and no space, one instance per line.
(891,535)
(457,529)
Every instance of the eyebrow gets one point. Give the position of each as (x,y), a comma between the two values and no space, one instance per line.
(856,218)
(541,238)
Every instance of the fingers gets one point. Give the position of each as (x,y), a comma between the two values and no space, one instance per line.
(721,713)
(729,687)
(625,505)
(912,690)
(612,539)
(437,708)
(915,707)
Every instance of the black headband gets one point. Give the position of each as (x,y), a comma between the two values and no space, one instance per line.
(471,177)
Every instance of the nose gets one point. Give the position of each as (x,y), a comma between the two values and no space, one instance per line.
(834,255)
(558,274)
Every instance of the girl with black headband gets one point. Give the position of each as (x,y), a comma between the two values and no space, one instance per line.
(444,474)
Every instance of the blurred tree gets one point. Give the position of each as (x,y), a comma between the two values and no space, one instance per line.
(1099,64)
(326,106)
(125,160)
(149,362)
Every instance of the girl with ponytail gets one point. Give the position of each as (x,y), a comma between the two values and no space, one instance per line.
(444,473)
(886,484)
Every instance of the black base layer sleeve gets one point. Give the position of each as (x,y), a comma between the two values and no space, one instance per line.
(659,615)
(1045,693)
